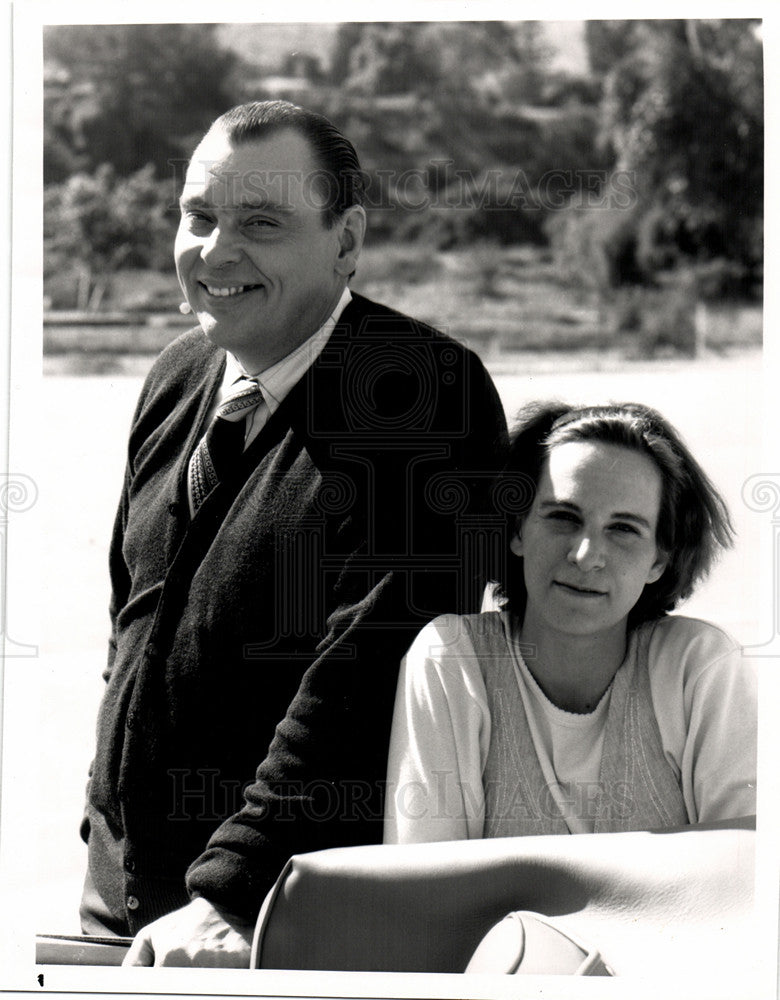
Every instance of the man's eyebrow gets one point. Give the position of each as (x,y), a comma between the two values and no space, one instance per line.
(245,205)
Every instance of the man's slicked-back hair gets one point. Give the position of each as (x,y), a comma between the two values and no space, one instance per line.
(339,178)
(693,521)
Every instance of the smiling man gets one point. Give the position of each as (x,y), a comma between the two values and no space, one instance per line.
(302,472)
(255,249)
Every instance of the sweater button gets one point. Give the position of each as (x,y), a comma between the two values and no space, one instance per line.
(132,903)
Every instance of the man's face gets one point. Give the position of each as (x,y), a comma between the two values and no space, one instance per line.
(254,258)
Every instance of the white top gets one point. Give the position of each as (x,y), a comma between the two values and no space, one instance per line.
(703,694)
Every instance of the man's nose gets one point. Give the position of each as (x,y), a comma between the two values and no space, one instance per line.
(220,248)
(587,552)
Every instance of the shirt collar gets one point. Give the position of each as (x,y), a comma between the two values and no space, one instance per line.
(276,381)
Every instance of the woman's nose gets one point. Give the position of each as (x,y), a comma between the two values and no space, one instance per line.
(586,553)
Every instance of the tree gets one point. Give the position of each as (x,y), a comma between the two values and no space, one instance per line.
(440,113)
(381,58)
(526,75)
(433,59)
(682,116)
(130,94)
(607,43)
(97,223)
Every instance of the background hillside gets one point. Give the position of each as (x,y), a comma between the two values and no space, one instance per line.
(571,185)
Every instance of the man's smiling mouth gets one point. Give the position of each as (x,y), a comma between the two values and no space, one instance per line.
(228,291)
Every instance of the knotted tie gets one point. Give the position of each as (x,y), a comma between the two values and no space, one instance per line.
(223,442)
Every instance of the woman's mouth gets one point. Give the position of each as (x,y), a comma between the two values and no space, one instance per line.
(580,591)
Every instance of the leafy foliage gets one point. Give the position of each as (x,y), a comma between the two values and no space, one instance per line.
(131,94)
(467,131)
(445,118)
(97,223)
(682,114)
(436,59)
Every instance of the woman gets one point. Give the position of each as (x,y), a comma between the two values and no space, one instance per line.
(581,706)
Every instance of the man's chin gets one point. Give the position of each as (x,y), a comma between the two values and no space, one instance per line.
(252,355)
(217,331)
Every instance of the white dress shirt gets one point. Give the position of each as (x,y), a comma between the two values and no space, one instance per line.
(275,382)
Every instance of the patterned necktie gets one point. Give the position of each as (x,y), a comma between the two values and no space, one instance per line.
(223,442)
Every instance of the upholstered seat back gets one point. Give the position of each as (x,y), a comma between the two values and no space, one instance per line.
(661,903)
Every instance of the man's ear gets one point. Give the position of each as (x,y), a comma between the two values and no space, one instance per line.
(516,544)
(659,566)
(352,232)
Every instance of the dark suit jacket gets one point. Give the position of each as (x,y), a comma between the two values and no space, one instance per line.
(279,613)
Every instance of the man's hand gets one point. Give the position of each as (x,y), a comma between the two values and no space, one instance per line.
(196,935)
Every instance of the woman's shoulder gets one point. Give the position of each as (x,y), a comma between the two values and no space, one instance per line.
(443,655)
(452,629)
(691,641)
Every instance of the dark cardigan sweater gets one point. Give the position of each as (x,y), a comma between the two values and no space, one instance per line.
(279,613)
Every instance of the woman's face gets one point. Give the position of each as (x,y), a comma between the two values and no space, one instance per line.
(589,540)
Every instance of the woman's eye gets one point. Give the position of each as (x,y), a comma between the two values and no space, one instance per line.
(563,516)
(625,529)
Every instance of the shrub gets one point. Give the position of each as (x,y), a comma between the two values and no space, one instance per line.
(95,224)
(594,248)
(659,322)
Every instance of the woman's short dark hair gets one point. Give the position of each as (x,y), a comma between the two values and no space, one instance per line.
(339,179)
(693,521)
